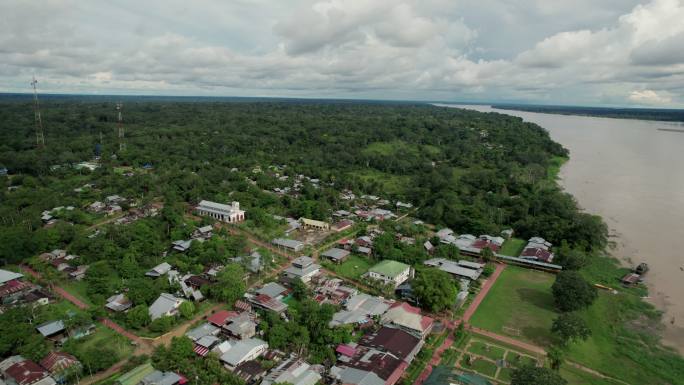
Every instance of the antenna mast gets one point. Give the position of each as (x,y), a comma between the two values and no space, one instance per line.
(122,144)
(40,138)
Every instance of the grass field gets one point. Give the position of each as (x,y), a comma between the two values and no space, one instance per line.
(390,183)
(513,247)
(105,336)
(78,290)
(520,301)
(481,366)
(352,268)
(487,350)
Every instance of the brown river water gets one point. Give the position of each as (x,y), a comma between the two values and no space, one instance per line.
(629,172)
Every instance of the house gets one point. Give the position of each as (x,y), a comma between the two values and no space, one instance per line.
(360,310)
(51,329)
(408,318)
(455,268)
(313,224)
(367,365)
(135,375)
(221,317)
(162,378)
(6,276)
(343,225)
(206,344)
(403,205)
(79,272)
(242,351)
(537,249)
(429,247)
(181,245)
(336,255)
(273,290)
(222,212)
(165,305)
(241,327)
(302,268)
(27,372)
(398,342)
(118,303)
(159,270)
(204,330)
(250,371)
(57,363)
(288,244)
(113,199)
(293,371)
(204,232)
(390,272)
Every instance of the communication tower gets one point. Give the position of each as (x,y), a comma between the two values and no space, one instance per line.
(40,138)
(122,143)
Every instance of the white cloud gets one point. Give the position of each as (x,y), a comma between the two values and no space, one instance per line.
(649,97)
(533,50)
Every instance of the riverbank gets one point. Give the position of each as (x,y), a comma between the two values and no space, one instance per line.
(623,170)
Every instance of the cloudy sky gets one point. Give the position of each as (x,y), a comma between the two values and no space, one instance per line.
(588,52)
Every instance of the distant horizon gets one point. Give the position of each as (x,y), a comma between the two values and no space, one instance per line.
(348,99)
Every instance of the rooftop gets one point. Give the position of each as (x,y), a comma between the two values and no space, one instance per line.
(389,268)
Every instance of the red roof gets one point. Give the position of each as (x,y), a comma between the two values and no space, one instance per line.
(58,361)
(346,350)
(242,305)
(538,253)
(201,350)
(485,243)
(26,372)
(221,317)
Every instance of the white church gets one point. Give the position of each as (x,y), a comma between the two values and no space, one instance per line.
(225,213)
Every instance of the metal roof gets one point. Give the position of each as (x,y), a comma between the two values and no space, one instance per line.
(6,275)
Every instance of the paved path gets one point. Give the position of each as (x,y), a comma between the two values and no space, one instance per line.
(234,230)
(437,356)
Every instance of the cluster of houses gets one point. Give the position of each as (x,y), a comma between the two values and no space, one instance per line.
(15,291)
(134,213)
(469,244)
(110,206)
(51,370)
(49,217)
(66,263)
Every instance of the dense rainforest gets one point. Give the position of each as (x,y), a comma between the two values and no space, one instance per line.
(477,173)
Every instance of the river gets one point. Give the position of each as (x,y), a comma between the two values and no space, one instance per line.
(629,172)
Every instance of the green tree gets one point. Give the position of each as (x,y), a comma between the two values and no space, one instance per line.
(569,327)
(162,324)
(572,292)
(230,285)
(138,317)
(34,348)
(487,254)
(187,309)
(434,289)
(556,356)
(531,375)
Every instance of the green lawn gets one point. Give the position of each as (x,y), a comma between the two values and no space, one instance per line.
(603,352)
(481,366)
(353,267)
(487,350)
(513,247)
(390,183)
(105,336)
(505,374)
(78,290)
(519,302)
(578,377)
(518,360)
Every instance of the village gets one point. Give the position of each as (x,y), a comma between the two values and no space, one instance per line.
(343,261)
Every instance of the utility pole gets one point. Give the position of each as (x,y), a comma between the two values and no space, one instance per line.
(40,138)
(122,144)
